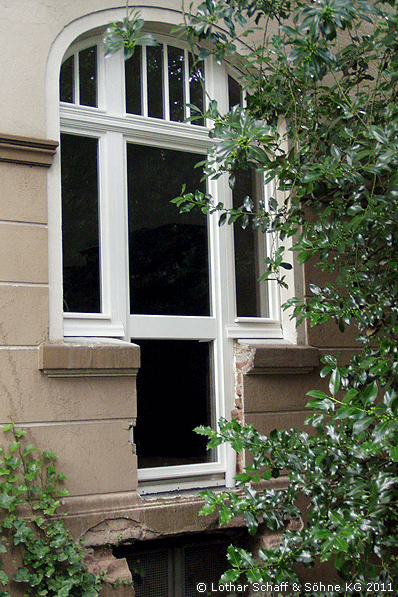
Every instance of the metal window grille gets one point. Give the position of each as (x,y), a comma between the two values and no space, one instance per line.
(172,568)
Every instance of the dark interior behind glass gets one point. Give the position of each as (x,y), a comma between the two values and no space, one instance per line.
(80,226)
(174,396)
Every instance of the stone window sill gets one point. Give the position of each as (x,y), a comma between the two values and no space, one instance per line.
(269,359)
(88,357)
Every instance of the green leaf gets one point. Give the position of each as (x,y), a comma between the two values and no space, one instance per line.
(7,501)
(361,424)
(318,395)
(230,576)
(251,522)
(22,575)
(335,382)
(393,451)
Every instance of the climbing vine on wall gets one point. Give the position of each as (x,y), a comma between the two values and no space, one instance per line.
(30,493)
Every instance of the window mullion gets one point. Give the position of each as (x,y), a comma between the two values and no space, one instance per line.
(144,79)
(113,89)
(77,79)
(112,230)
(187,97)
(166,87)
(179,573)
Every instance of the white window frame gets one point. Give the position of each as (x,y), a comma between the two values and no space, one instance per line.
(223,326)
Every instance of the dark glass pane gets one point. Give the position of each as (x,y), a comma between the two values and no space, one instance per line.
(80,229)
(246,266)
(196,86)
(133,82)
(66,81)
(155,81)
(234,93)
(88,76)
(176,83)
(167,250)
(173,393)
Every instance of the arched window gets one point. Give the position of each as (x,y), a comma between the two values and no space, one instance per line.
(134,268)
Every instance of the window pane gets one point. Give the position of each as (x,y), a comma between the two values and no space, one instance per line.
(173,394)
(133,82)
(168,253)
(80,229)
(176,83)
(88,76)
(234,93)
(196,86)
(247,270)
(66,81)
(155,81)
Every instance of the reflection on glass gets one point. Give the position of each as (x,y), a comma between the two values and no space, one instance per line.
(66,81)
(155,81)
(167,250)
(196,86)
(88,76)
(133,83)
(164,433)
(176,83)
(80,229)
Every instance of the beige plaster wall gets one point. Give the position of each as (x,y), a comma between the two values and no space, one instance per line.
(28,29)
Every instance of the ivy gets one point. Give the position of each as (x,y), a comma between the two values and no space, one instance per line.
(30,493)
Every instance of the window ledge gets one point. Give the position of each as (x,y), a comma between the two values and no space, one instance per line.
(27,150)
(271,359)
(88,357)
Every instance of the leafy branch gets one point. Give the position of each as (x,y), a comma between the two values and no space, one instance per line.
(127,35)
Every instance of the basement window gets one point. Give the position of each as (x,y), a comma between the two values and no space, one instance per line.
(175,567)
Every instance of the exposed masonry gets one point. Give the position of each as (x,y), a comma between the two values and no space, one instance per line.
(118,530)
(244,362)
